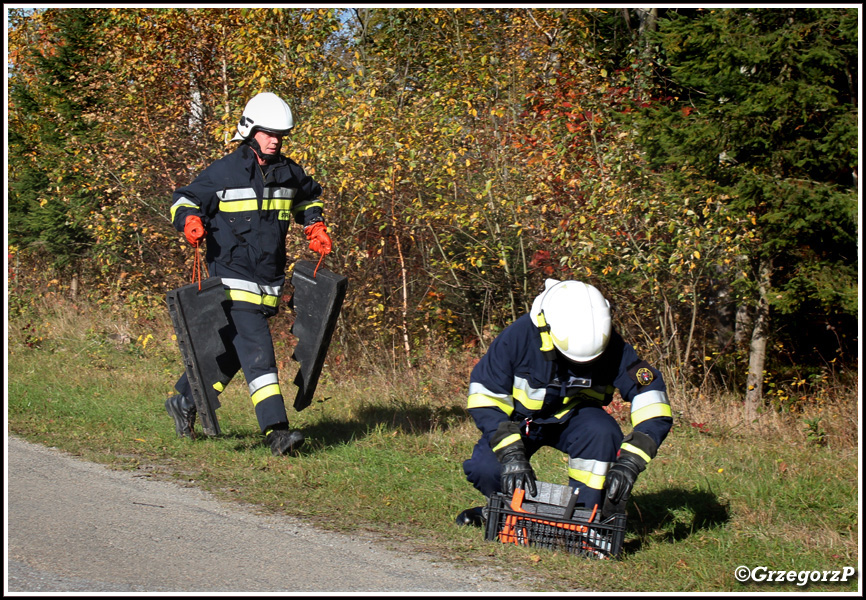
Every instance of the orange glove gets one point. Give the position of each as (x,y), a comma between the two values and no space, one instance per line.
(317,233)
(193,229)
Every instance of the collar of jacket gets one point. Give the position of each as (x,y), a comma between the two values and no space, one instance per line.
(251,161)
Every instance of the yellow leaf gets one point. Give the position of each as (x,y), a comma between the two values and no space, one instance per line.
(696,254)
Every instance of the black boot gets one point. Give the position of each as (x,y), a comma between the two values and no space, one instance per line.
(283,441)
(473,516)
(182,410)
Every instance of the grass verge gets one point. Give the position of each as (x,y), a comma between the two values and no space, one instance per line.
(384,454)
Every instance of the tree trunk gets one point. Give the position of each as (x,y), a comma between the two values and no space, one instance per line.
(742,324)
(74,286)
(758,347)
(648,19)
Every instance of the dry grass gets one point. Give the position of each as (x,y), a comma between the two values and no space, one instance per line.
(439,378)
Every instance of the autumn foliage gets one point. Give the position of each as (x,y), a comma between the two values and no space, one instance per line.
(466,155)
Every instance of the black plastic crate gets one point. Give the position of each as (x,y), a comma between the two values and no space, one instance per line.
(547,520)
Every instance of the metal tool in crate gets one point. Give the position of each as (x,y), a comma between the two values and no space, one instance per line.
(550,520)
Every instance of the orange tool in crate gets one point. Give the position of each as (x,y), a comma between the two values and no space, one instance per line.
(551,521)
(508,534)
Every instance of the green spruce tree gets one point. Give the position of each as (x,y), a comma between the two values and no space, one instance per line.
(762,111)
(54,93)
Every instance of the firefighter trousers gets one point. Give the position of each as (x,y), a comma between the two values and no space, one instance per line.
(249,346)
(590,437)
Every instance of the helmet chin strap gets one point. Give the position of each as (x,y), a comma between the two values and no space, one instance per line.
(268,158)
(548,350)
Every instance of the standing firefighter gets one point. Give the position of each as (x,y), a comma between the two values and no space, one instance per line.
(243,205)
(545,381)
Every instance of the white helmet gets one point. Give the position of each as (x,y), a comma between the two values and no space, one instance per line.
(265,111)
(573,317)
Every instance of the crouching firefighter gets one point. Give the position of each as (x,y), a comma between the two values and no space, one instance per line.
(243,205)
(545,381)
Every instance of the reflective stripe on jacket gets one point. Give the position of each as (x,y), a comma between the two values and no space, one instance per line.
(247,211)
(513,381)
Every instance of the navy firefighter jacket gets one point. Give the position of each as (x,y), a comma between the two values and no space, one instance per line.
(246,210)
(513,381)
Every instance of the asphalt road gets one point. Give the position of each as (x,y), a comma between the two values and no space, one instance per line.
(74,526)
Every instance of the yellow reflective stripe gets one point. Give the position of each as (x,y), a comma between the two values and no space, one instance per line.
(219,386)
(635,450)
(511,439)
(484,401)
(244,296)
(252,297)
(262,381)
(587,478)
(481,397)
(596,395)
(250,286)
(648,405)
(596,482)
(239,206)
(568,405)
(522,397)
(277,204)
(265,392)
(179,203)
(546,340)
(651,411)
(253,205)
(589,472)
(302,206)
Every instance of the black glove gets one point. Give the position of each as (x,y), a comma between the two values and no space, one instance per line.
(517,472)
(637,449)
(621,477)
(507,444)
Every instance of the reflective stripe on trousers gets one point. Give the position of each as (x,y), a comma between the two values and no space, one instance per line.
(249,346)
(590,438)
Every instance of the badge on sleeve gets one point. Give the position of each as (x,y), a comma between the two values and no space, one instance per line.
(641,373)
(644,376)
